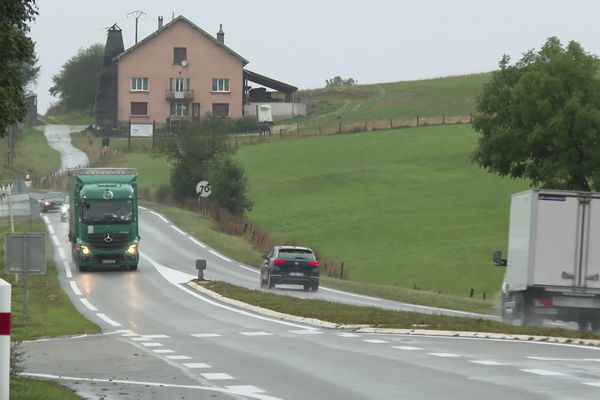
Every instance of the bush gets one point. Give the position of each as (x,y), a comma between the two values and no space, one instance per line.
(244,125)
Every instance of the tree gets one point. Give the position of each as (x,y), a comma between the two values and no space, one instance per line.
(540,118)
(202,151)
(31,71)
(16,49)
(339,82)
(77,81)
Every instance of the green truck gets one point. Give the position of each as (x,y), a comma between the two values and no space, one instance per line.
(103,217)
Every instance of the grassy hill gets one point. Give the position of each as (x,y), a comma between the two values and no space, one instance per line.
(452,96)
(401,207)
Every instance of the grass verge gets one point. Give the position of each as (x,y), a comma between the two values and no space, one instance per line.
(70,118)
(345,314)
(33,156)
(50,314)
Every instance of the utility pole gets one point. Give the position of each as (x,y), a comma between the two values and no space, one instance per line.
(136,14)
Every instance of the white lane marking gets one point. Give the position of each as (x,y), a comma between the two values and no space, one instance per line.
(542,372)
(67,270)
(252,395)
(596,384)
(375,341)
(50,229)
(255,333)
(142,208)
(140,339)
(75,288)
(152,344)
(249,269)
(129,334)
(444,355)
(88,305)
(524,342)
(360,296)
(199,243)
(176,277)
(564,359)
(109,321)
(155,336)
(204,335)
(159,216)
(219,255)
(487,362)
(348,335)
(195,365)
(407,348)
(163,351)
(55,240)
(245,389)
(46,220)
(313,331)
(216,376)
(178,230)
(179,358)
(119,331)
(61,254)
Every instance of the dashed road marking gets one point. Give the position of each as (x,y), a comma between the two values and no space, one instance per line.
(245,389)
(50,229)
(564,359)
(67,270)
(55,240)
(107,320)
(140,339)
(199,243)
(61,254)
(163,351)
(306,332)
(216,376)
(159,216)
(249,269)
(88,305)
(155,336)
(487,362)
(205,335)
(219,255)
(407,348)
(179,358)
(196,365)
(129,334)
(255,333)
(596,384)
(542,372)
(348,335)
(178,230)
(375,341)
(444,355)
(75,288)
(152,344)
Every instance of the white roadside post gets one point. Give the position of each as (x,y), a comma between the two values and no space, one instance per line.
(4,339)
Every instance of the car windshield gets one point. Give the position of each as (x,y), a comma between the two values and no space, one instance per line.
(55,196)
(107,211)
(296,254)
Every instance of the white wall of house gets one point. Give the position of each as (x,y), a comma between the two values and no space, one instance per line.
(278,110)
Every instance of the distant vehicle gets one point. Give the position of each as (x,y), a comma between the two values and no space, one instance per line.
(64,212)
(553,264)
(290,265)
(52,201)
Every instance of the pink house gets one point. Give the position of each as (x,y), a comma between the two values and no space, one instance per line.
(179,72)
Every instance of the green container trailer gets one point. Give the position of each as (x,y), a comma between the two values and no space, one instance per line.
(103,223)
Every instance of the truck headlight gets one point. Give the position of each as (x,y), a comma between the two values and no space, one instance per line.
(85,250)
(132,250)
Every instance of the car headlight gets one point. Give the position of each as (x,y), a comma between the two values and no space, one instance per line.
(132,250)
(47,203)
(85,250)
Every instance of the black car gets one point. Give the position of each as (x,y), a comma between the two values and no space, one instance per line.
(290,265)
(52,201)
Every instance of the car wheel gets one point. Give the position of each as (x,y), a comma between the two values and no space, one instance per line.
(306,286)
(270,283)
(263,282)
(314,286)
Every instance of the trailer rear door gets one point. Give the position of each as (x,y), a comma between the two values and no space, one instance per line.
(590,276)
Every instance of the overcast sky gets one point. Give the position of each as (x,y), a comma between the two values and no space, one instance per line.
(306,42)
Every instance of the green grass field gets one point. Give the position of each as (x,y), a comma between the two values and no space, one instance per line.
(32,155)
(403,207)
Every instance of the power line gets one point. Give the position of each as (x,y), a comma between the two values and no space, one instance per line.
(136,14)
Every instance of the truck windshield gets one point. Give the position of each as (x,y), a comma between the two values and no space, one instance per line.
(107,211)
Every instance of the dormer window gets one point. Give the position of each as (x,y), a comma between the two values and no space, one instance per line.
(179,55)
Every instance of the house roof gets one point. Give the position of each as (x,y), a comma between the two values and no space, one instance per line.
(187,21)
(269,82)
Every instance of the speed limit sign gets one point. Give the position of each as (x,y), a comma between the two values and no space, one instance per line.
(204,189)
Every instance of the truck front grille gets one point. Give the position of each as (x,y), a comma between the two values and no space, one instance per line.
(119,241)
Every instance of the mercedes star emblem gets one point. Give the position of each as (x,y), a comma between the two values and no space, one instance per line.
(107,238)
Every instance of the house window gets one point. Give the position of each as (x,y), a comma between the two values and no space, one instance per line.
(179,54)
(220,85)
(139,84)
(220,109)
(179,109)
(139,108)
(180,84)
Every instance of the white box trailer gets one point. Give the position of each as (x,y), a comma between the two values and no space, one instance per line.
(553,265)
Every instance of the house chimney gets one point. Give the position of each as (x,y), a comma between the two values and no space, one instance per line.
(221,35)
(160,22)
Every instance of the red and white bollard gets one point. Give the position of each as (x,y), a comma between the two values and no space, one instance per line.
(4,339)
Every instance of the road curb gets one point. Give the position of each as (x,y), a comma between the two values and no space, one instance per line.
(370,329)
